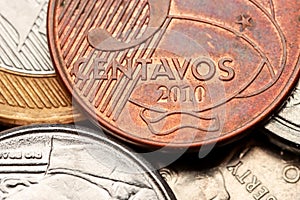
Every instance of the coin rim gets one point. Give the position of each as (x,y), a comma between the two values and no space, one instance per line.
(84,132)
(241,131)
(65,115)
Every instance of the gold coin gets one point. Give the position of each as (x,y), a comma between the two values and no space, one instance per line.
(30,91)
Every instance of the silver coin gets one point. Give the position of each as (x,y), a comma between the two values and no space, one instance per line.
(60,162)
(252,171)
(23,39)
(284,128)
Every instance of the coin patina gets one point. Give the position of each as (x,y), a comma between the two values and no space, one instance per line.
(284,128)
(176,73)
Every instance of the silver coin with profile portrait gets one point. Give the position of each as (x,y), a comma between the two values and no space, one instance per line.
(189,184)
(260,170)
(254,169)
(64,162)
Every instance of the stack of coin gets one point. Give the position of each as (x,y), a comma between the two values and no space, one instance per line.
(203,90)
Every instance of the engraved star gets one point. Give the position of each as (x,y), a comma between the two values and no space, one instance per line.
(244,21)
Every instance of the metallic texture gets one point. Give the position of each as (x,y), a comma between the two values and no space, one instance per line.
(64,162)
(24,46)
(284,128)
(254,170)
(30,92)
(151,71)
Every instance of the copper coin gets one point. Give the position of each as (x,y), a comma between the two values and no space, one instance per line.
(176,73)
(30,91)
(284,128)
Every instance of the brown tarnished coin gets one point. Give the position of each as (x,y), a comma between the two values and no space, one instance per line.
(177,73)
(29,89)
(284,128)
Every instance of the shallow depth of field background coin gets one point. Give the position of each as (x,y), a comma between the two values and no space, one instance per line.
(250,169)
(63,162)
(284,128)
(177,73)
(30,92)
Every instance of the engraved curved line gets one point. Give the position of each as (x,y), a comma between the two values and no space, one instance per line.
(101,82)
(238,34)
(256,74)
(272,9)
(287,123)
(158,119)
(169,175)
(235,95)
(159,133)
(259,69)
(87,176)
(284,49)
(8,25)
(7,184)
(132,87)
(102,40)
(282,37)
(265,61)
(127,81)
(145,106)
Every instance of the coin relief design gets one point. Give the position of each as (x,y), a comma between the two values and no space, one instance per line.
(24,40)
(286,125)
(29,89)
(192,184)
(256,171)
(272,177)
(151,71)
(57,162)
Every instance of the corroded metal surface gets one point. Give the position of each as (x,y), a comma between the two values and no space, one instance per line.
(30,92)
(177,73)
